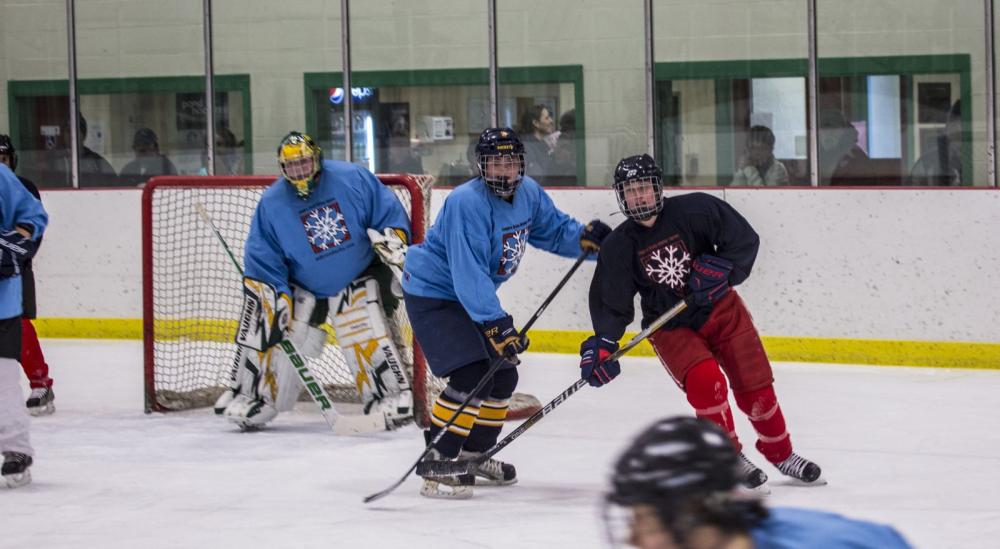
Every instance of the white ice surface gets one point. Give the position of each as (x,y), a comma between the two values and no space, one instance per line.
(917,448)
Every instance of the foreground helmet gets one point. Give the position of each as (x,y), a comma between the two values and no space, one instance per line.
(301,160)
(640,178)
(7,148)
(500,154)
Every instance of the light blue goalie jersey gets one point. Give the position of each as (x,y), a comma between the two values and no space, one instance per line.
(17,207)
(788,528)
(320,243)
(478,241)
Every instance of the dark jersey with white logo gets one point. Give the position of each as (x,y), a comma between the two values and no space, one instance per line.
(656,262)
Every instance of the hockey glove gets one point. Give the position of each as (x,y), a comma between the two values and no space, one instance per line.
(709,280)
(593,234)
(15,250)
(593,366)
(504,339)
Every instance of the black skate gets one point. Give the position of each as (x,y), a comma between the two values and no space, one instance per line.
(491,472)
(752,476)
(459,486)
(40,402)
(16,469)
(801,469)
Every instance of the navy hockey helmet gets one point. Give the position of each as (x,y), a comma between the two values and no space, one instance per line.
(685,469)
(301,162)
(639,187)
(500,156)
(7,149)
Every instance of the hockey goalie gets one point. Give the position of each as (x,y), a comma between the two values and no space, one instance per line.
(326,244)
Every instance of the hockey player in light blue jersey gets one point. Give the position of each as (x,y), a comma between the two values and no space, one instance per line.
(313,241)
(675,485)
(450,283)
(22,222)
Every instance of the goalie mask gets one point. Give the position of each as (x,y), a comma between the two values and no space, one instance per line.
(639,187)
(301,161)
(500,156)
(7,149)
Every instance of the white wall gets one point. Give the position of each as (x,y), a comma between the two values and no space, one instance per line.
(895,264)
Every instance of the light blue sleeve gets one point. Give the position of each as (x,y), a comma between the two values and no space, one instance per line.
(264,258)
(468,242)
(385,209)
(553,230)
(19,207)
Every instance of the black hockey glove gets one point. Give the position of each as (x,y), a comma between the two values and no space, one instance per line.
(593,366)
(503,338)
(709,279)
(593,234)
(15,250)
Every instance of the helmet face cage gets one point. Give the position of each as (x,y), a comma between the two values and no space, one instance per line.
(301,161)
(640,199)
(7,149)
(501,172)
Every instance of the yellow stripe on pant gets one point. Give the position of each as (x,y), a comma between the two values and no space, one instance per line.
(492,413)
(444,409)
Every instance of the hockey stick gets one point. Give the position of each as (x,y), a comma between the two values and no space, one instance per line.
(340,424)
(482,383)
(443,467)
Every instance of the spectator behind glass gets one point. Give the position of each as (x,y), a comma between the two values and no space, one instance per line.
(841,160)
(228,154)
(942,164)
(53,167)
(536,131)
(148,161)
(758,166)
(564,154)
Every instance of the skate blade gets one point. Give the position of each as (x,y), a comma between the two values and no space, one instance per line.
(797,483)
(433,489)
(18,480)
(42,410)
(759,490)
(483,480)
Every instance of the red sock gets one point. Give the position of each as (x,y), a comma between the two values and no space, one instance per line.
(707,391)
(32,360)
(761,406)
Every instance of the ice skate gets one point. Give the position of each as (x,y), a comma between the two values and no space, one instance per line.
(40,403)
(753,477)
(802,470)
(16,469)
(491,472)
(457,486)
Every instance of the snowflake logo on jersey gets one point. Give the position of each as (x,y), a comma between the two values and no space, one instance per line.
(667,262)
(325,227)
(513,250)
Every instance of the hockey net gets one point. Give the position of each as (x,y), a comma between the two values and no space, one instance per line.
(192,293)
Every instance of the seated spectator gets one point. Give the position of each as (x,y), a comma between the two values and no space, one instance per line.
(148,161)
(536,131)
(95,171)
(841,160)
(758,166)
(942,164)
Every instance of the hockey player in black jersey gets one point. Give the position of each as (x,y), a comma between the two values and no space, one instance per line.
(668,249)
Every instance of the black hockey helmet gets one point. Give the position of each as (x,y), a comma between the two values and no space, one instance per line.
(503,149)
(301,161)
(686,469)
(7,149)
(640,172)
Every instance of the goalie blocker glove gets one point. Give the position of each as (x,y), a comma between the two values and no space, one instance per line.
(15,250)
